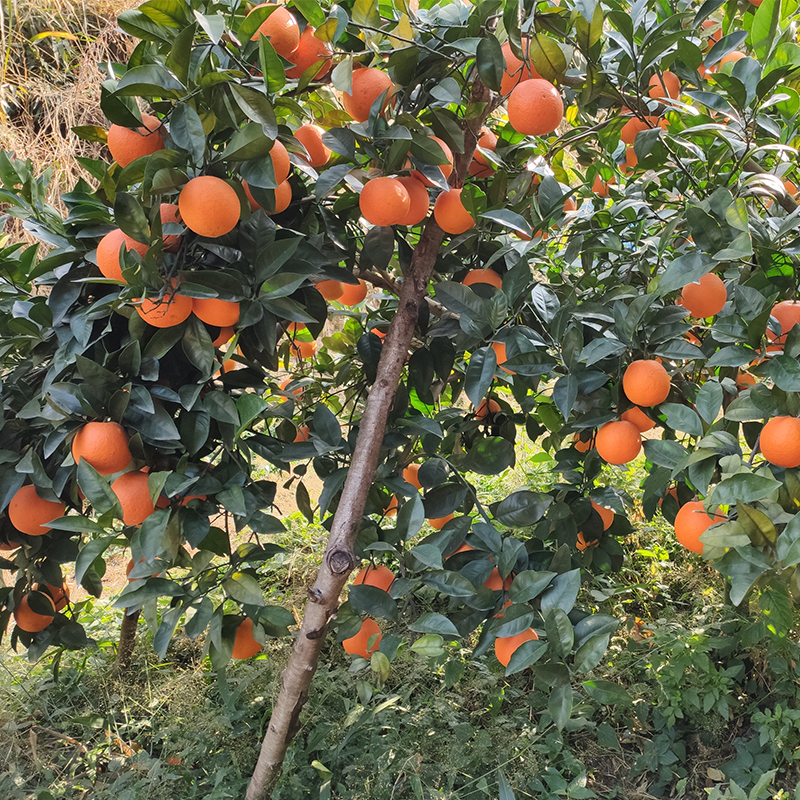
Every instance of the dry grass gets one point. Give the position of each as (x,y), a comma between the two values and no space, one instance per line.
(50,76)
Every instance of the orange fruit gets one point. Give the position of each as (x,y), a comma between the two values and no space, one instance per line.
(437,523)
(282,199)
(108,253)
(780,441)
(169,212)
(646,383)
(410,475)
(582,544)
(731,58)
(618,442)
(506,646)
(282,30)
(131,565)
(668,85)
(104,445)
(379,576)
(600,187)
(581,445)
(638,418)
(714,28)
(391,509)
(485,409)
(446,168)
(212,311)
(691,522)
(487,276)
(352,295)
(496,583)
(254,204)
(223,337)
(245,645)
(302,434)
(28,620)
(280,161)
(309,51)
(134,497)
(631,160)
(788,314)
(535,108)
(58,594)
(126,144)
(450,214)
(368,85)
(418,199)
(515,70)
(478,170)
(706,297)
(358,645)
(330,290)
(295,327)
(606,514)
(384,201)
(500,352)
(464,548)
(301,349)
(486,141)
(171,310)
(29,513)
(744,380)
(635,126)
(209,206)
(310,136)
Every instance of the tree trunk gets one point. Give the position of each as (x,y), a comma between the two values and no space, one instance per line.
(339,559)
(127,640)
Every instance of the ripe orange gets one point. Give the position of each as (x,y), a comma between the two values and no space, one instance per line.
(167,312)
(485,410)
(209,206)
(635,126)
(28,620)
(134,497)
(212,311)
(464,548)
(379,576)
(254,204)
(223,337)
(478,170)
(410,475)
(244,645)
(446,168)
(618,442)
(330,290)
(744,380)
(706,297)
(582,544)
(731,58)
(582,445)
(368,85)
(282,30)
(714,28)
(358,645)
(309,51)
(302,349)
(280,161)
(496,583)
(58,594)
(104,445)
(668,85)
(108,253)
(29,513)
(631,160)
(788,314)
(486,141)
(515,70)
(352,295)
(646,383)
(488,276)
(170,212)
(780,441)
(600,187)
(310,136)
(500,352)
(302,434)
(391,509)
(450,213)
(126,144)
(419,201)
(638,418)
(384,201)
(691,522)
(282,199)
(506,646)
(535,108)
(606,514)
(437,523)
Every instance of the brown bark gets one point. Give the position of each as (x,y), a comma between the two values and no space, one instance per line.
(339,559)
(127,640)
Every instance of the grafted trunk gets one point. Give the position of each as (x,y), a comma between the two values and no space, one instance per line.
(339,558)
(127,640)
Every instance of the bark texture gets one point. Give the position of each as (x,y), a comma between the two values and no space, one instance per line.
(339,559)
(127,640)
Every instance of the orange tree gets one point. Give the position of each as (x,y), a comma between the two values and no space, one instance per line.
(610,253)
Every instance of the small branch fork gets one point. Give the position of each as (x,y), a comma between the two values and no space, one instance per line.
(339,559)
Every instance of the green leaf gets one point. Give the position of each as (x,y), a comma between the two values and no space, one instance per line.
(709,401)
(559,630)
(130,217)
(449,583)
(411,518)
(764,32)
(430,645)
(682,418)
(529,584)
(373,601)
(683,270)
(490,62)
(434,623)
(504,791)
(88,553)
(788,543)
(428,554)
(271,65)
(151,80)
(96,488)
(591,652)
(559,704)
(186,130)
(527,654)
(490,456)
(745,488)
(522,508)
(480,374)
(547,57)
(785,371)
(758,526)
(607,693)
(257,108)
(563,592)
(244,588)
